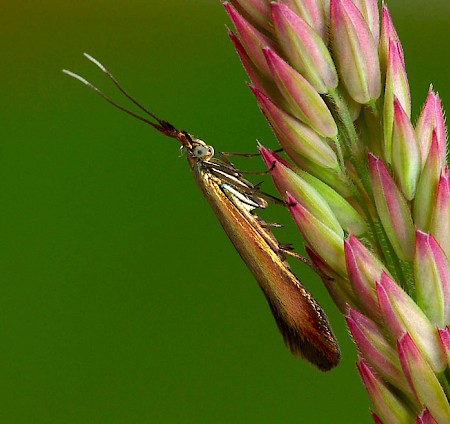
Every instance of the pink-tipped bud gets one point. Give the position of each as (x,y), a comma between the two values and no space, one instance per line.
(396,87)
(364,269)
(377,351)
(303,101)
(355,51)
(431,120)
(392,209)
(286,179)
(388,34)
(324,241)
(405,152)
(402,314)
(440,218)
(304,49)
(297,136)
(311,11)
(422,379)
(262,83)
(252,40)
(444,335)
(432,278)
(388,406)
(427,186)
(425,418)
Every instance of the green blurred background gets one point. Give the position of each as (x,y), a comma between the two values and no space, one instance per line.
(121,300)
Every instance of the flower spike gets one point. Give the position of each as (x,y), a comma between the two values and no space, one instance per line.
(368,188)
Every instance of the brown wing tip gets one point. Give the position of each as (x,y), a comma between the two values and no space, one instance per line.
(324,360)
(320,347)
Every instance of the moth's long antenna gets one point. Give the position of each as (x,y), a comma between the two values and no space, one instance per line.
(108,99)
(163,126)
(122,90)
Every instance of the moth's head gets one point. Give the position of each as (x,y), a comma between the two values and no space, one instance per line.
(200,150)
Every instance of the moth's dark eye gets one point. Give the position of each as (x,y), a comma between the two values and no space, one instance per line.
(199,151)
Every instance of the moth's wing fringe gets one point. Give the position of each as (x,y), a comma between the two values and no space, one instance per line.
(322,351)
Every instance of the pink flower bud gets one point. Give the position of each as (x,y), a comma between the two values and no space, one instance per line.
(392,209)
(405,152)
(364,269)
(388,406)
(304,49)
(427,186)
(402,314)
(440,218)
(431,120)
(262,83)
(324,241)
(296,135)
(377,350)
(388,34)
(396,87)
(303,101)
(252,40)
(422,379)
(355,51)
(432,278)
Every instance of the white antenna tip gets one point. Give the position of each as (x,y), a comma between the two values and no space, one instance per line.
(76,76)
(94,61)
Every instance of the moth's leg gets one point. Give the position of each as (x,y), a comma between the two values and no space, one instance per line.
(224,156)
(286,249)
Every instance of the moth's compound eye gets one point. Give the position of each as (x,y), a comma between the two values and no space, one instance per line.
(199,151)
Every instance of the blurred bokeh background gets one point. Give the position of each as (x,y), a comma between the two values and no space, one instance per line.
(121,299)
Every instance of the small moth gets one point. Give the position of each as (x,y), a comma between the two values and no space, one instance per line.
(300,319)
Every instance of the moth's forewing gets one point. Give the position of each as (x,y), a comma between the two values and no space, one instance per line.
(299,317)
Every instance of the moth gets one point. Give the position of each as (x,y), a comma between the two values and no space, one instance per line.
(234,200)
